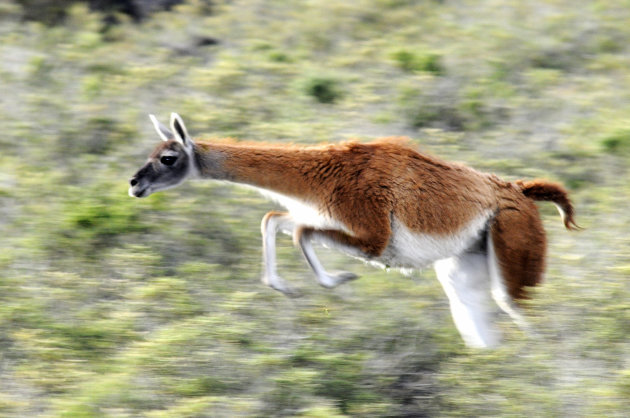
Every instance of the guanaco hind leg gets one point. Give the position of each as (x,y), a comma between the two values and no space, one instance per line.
(467,286)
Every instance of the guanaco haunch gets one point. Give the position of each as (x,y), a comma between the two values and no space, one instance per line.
(388,204)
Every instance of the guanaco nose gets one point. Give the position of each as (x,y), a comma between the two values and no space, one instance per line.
(133,182)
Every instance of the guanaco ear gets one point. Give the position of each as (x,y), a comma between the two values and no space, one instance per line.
(161,130)
(178,127)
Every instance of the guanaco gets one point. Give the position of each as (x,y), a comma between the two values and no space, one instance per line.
(388,204)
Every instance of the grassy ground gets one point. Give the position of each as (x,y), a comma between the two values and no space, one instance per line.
(112,306)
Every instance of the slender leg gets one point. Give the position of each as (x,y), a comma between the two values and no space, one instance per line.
(466,283)
(303,237)
(273,222)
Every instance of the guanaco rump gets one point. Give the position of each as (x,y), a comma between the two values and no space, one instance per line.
(385,203)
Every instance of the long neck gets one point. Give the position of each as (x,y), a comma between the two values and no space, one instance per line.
(289,170)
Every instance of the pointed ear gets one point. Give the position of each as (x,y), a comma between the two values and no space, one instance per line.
(161,130)
(179,129)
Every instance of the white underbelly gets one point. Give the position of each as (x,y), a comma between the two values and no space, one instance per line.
(304,214)
(411,250)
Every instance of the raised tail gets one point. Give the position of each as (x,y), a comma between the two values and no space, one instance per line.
(551,192)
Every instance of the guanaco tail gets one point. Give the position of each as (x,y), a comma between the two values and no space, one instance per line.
(386,203)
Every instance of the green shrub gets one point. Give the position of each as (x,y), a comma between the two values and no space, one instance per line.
(323,89)
(617,142)
(279,56)
(427,62)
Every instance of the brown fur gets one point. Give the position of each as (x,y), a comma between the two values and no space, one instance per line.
(361,185)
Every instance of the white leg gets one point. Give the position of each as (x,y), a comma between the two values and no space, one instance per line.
(271,224)
(499,291)
(328,280)
(466,283)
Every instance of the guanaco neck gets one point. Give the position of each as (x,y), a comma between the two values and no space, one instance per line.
(281,169)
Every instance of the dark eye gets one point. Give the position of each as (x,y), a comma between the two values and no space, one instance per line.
(168,160)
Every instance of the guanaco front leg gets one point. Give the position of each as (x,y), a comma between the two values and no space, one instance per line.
(303,237)
(273,222)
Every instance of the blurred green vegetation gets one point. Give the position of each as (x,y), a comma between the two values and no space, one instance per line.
(112,306)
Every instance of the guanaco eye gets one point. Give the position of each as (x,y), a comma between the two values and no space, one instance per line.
(168,160)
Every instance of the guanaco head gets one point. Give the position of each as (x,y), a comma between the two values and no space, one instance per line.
(169,164)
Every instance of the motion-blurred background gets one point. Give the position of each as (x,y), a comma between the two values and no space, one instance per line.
(113,306)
